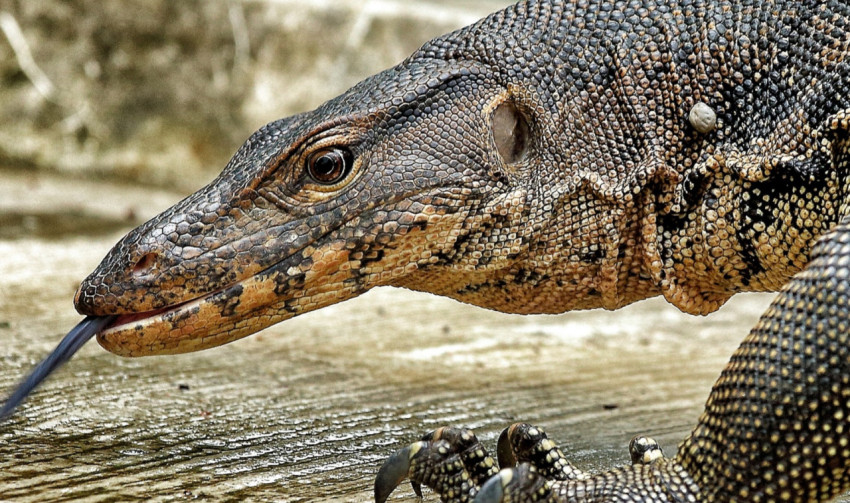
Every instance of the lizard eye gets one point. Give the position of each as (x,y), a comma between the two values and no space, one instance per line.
(329,166)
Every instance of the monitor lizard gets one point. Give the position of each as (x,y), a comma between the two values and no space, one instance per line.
(556,155)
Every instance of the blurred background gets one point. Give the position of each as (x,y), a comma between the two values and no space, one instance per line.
(112,111)
(162,93)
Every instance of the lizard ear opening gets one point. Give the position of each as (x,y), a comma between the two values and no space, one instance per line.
(510,132)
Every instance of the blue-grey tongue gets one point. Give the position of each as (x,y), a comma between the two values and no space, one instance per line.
(72,343)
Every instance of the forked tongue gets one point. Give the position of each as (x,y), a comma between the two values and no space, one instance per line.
(72,343)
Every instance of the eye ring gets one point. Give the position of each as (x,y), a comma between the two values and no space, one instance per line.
(330,166)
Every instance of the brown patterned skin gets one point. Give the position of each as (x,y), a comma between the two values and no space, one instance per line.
(556,155)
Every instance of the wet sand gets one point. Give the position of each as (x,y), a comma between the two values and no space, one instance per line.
(310,408)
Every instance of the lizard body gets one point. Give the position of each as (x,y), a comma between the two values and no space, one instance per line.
(556,155)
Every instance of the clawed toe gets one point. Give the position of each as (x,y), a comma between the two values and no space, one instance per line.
(644,450)
(477,462)
(436,464)
(522,442)
(522,483)
(394,470)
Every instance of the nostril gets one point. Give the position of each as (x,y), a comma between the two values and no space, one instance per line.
(145,265)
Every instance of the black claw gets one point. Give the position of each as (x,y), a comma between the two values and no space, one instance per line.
(504,451)
(394,470)
(493,491)
(427,437)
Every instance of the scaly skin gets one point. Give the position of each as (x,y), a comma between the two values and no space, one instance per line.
(556,155)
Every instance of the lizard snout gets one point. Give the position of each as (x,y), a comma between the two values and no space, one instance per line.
(139,274)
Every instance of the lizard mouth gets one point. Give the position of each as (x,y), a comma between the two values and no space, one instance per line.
(200,323)
(131,319)
(297,284)
(137,334)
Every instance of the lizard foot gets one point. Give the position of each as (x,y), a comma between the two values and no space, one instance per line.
(453,463)
(450,461)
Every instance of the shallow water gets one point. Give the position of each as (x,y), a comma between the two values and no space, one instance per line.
(309,409)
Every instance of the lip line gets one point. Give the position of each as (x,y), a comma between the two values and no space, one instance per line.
(125,320)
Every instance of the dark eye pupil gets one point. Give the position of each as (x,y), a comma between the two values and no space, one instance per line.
(330,166)
(326,165)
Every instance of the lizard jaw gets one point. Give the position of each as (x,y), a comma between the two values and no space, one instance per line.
(179,328)
(290,287)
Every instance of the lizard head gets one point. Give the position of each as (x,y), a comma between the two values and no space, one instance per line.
(312,210)
(438,175)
